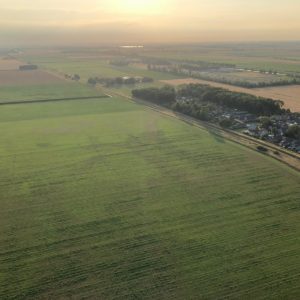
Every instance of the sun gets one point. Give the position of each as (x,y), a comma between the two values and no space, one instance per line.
(139,6)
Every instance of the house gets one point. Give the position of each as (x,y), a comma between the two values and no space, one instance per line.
(263,133)
(252,126)
(28,67)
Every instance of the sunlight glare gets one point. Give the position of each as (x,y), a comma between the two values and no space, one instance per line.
(139,6)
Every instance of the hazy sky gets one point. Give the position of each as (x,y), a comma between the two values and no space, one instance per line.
(92,22)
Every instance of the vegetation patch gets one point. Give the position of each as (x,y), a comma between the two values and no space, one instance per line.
(287,94)
(32,77)
(48,91)
(107,199)
(203,93)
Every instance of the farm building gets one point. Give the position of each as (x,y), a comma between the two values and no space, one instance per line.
(28,67)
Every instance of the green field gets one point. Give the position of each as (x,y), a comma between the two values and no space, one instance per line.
(105,199)
(281,57)
(49,91)
(247,62)
(97,67)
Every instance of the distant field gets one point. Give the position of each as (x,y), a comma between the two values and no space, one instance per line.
(46,91)
(127,89)
(244,76)
(241,61)
(22,78)
(289,94)
(96,67)
(18,85)
(109,200)
(9,64)
(232,75)
(282,57)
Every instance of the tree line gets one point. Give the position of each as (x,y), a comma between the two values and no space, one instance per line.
(241,101)
(118,80)
(195,72)
(198,100)
(165,96)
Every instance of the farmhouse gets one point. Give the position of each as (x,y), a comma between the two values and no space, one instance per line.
(28,67)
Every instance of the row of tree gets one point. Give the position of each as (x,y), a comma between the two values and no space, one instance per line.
(247,84)
(244,102)
(201,98)
(293,132)
(185,64)
(74,77)
(165,96)
(195,71)
(118,80)
(201,111)
(119,62)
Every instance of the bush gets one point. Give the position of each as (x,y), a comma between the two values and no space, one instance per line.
(92,81)
(293,132)
(164,96)
(225,123)
(262,149)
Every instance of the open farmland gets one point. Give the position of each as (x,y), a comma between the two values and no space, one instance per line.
(289,94)
(106,199)
(7,64)
(280,57)
(95,66)
(40,85)
(253,77)
(46,92)
(17,78)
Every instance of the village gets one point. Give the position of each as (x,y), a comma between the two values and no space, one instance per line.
(282,130)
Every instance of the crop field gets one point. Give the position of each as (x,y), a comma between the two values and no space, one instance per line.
(127,89)
(107,199)
(95,63)
(282,57)
(46,92)
(246,62)
(16,78)
(289,94)
(96,66)
(233,75)
(9,64)
(40,85)
(246,76)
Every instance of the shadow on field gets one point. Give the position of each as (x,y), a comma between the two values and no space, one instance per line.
(217,137)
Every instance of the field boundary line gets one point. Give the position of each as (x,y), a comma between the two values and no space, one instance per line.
(53,100)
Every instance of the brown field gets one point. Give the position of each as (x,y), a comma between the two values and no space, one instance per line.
(9,78)
(9,64)
(140,66)
(289,94)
